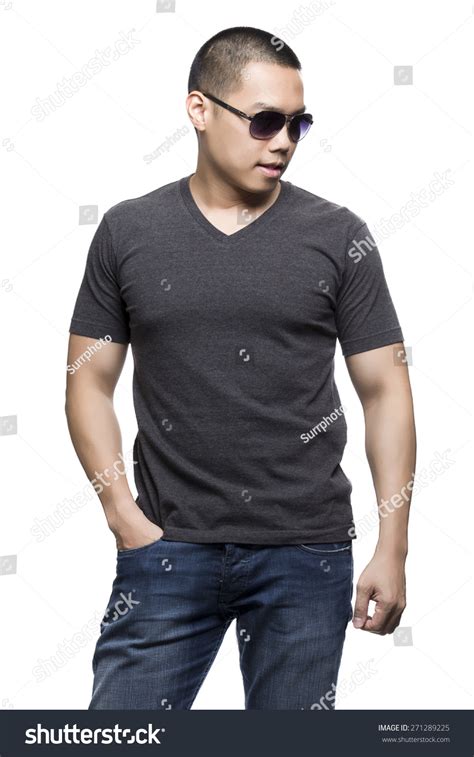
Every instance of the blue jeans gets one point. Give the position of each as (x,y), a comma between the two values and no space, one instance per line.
(171,605)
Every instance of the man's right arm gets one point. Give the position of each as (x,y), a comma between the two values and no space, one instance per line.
(95,434)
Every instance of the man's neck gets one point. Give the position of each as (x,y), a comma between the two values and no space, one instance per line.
(213,194)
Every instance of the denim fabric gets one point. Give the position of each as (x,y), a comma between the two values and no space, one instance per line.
(172,602)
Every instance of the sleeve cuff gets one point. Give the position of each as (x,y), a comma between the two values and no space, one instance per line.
(365,343)
(96,331)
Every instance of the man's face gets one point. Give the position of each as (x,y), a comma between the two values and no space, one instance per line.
(226,143)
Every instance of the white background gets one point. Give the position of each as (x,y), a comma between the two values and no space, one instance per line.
(372,145)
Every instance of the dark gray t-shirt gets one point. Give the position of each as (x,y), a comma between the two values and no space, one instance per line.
(240,425)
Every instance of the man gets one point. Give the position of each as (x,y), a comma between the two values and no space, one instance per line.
(232,287)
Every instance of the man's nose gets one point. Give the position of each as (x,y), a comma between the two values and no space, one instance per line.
(281,142)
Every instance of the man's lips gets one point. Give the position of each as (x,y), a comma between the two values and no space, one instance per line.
(271,169)
(276,164)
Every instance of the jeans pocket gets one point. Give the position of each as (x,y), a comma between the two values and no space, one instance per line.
(136,550)
(328,548)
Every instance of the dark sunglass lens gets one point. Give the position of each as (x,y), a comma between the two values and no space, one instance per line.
(266,124)
(299,126)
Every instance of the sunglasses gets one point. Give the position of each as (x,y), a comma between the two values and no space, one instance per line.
(267,123)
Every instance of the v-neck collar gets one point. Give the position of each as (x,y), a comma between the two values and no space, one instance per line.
(261,220)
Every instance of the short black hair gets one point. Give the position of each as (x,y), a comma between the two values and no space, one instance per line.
(219,64)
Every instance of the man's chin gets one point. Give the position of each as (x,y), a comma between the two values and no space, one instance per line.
(257,182)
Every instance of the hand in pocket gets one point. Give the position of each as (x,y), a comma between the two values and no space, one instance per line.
(132,529)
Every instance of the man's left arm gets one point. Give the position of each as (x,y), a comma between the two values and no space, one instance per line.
(380,378)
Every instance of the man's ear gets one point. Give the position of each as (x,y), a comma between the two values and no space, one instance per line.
(195,112)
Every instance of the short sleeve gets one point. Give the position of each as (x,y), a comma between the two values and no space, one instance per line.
(100,310)
(365,314)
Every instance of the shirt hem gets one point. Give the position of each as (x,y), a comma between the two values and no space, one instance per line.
(234,536)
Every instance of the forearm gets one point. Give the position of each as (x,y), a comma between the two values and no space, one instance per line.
(95,434)
(391,451)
